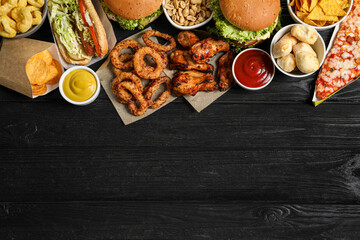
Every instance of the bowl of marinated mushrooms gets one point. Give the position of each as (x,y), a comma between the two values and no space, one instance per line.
(297,50)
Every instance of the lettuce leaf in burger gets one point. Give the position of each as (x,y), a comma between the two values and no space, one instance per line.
(245,23)
(132,14)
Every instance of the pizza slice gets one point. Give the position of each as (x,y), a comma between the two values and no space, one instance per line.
(342,64)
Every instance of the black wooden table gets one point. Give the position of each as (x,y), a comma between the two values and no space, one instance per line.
(253,165)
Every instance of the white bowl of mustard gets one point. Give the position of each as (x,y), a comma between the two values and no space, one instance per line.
(79,85)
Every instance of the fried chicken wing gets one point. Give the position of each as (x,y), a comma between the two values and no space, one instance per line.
(187,39)
(224,72)
(203,50)
(182,60)
(190,82)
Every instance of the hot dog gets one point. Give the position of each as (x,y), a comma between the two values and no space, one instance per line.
(78,30)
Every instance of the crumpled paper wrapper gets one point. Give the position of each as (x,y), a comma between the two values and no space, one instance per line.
(14,55)
(106,76)
(110,35)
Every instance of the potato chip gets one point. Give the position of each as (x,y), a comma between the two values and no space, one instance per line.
(56,79)
(45,56)
(39,89)
(331,7)
(292,3)
(36,70)
(51,73)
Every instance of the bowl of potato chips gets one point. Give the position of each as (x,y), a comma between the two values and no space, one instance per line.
(321,14)
(21,18)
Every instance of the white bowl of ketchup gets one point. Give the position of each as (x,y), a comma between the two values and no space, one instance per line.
(253,69)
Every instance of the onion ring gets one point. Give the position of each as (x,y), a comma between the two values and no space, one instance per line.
(157,46)
(120,93)
(144,71)
(116,60)
(152,87)
(137,93)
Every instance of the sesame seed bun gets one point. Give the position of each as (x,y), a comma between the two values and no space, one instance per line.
(251,15)
(133,9)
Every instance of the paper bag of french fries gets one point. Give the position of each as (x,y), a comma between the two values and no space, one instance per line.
(25,73)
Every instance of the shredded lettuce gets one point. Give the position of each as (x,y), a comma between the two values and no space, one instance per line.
(226,30)
(131,24)
(63,15)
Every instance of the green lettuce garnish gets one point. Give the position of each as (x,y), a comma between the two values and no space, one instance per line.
(131,24)
(227,31)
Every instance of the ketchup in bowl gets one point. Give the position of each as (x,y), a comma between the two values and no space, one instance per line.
(253,69)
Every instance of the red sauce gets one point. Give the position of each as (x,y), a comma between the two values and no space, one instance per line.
(253,68)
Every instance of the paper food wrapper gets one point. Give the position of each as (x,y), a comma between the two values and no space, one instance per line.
(203,99)
(110,35)
(317,101)
(106,76)
(14,55)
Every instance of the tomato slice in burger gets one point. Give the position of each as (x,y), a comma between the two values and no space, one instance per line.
(92,30)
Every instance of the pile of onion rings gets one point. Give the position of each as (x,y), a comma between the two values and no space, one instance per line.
(130,68)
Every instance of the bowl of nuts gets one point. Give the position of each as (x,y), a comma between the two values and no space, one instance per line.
(187,14)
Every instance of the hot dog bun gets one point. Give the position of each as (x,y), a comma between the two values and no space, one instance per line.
(99,28)
(79,53)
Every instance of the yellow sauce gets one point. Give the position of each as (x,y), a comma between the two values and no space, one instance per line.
(79,85)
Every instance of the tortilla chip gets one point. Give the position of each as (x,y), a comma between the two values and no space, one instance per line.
(331,7)
(318,14)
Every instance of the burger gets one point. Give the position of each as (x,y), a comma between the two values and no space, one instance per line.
(132,14)
(78,30)
(245,23)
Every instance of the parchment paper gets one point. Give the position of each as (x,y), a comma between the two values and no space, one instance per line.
(14,55)
(109,34)
(106,76)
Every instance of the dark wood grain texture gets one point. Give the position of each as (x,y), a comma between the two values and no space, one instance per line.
(174,220)
(253,165)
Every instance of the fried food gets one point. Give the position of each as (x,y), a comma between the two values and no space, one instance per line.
(224,72)
(144,71)
(17,16)
(182,60)
(203,50)
(55,78)
(120,61)
(39,89)
(152,87)
(121,93)
(42,69)
(6,30)
(287,63)
(157,46)
(190,82)
(187,39)
(132,88)
(303,33)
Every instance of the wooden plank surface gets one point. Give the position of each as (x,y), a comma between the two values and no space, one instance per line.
(275,175)
(177,220)
(254,165)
